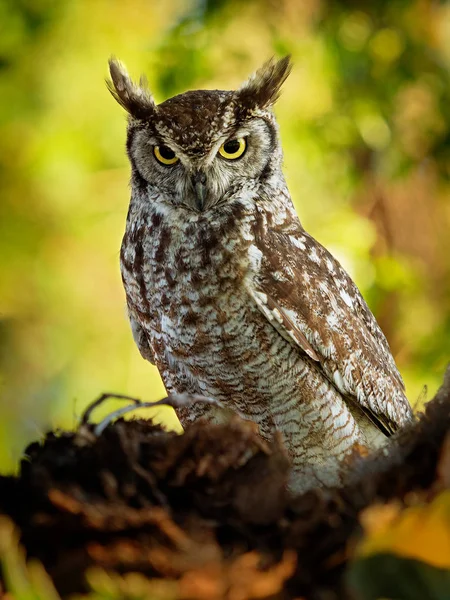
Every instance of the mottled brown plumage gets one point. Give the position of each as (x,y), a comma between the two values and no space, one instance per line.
(227,293)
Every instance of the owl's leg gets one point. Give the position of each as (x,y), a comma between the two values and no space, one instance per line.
(214,414)
(181,382)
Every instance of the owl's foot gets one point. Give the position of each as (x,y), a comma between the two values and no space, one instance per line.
(176,401)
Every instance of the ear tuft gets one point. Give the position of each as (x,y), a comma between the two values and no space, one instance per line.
(136,99)
(262,89)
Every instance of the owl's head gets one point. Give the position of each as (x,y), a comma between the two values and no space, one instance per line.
(201,148)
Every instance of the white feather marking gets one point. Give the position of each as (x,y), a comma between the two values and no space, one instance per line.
(278,276)
(314,255)
(298,242)
(326,290)
(333,321)
(255,255)
(338,380)
(346,298)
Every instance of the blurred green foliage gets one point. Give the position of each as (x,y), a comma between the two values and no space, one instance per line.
(365,122)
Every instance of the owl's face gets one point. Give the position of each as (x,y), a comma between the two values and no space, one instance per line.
(202,148)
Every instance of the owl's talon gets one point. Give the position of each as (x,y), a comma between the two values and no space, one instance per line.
(173,400)
(106,396)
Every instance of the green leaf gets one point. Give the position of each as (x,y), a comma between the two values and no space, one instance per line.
(396,578)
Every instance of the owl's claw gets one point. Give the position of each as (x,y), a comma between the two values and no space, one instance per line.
(89,410)
(173,400)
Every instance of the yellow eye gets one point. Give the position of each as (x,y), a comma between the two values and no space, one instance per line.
(233,149)
(165,155)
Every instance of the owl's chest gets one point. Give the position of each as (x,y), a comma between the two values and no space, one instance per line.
(199,285)
(188,284)
(206,333)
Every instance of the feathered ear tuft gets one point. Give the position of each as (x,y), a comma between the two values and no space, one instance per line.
(262,89)
(136,99)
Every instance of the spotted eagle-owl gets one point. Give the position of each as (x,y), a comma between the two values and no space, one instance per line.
(229,296)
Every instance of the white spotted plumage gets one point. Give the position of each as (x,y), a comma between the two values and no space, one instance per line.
(231,298)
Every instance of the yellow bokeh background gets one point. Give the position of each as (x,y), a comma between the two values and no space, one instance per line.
(365,122)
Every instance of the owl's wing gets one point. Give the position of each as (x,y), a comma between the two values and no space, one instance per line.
(312,302)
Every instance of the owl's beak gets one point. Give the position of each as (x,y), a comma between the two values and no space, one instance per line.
(199,183)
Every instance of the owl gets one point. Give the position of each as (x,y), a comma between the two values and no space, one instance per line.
(230,297)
